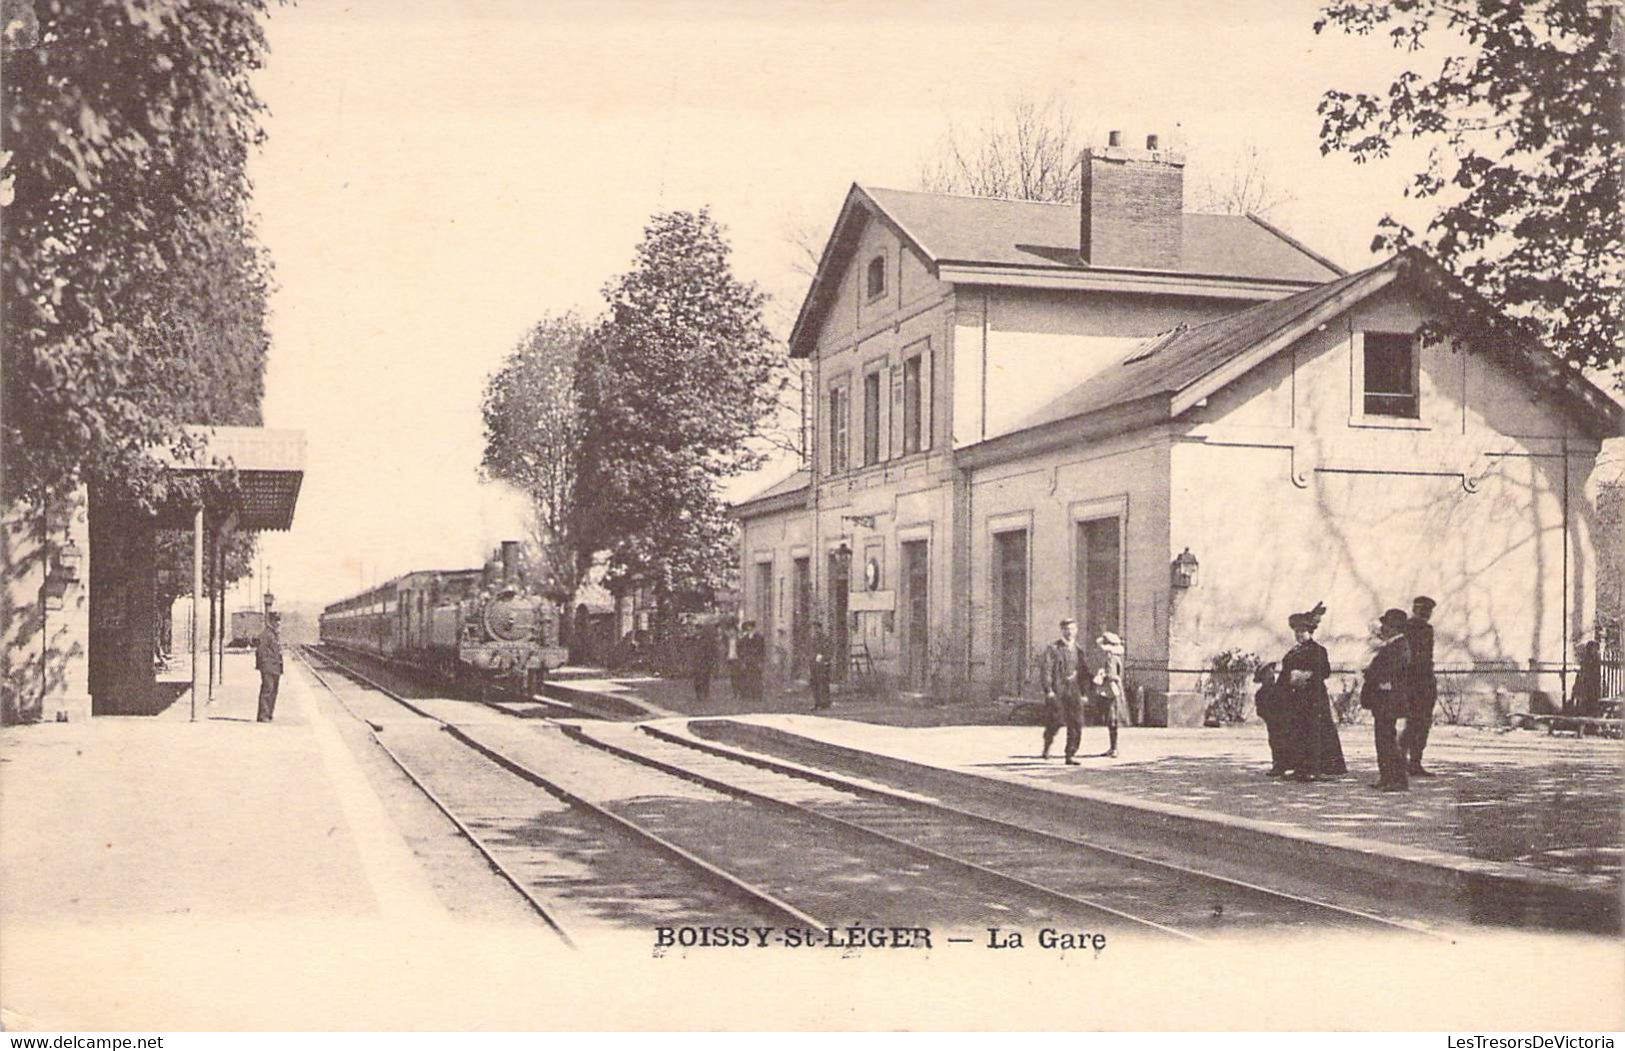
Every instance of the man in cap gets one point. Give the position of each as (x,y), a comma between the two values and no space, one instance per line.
(1383,691)
(1422,685)
(268,659)
(1061,673)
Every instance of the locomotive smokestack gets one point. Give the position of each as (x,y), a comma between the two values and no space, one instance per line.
(510,561)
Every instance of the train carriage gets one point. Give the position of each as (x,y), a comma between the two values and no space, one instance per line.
(466,624)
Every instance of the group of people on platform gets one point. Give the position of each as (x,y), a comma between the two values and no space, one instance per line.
(743,653)
(1399,685)
(1066,679)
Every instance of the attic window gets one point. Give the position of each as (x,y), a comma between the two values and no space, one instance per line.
(876,282)
(1156,343)
(1390,375)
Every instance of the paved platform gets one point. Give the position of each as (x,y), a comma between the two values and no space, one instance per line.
(165,874)
(1524,799)
(1512,805)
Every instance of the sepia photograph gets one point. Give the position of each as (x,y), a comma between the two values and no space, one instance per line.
(722,515)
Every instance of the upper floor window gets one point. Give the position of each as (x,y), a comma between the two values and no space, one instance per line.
(838,415)
(1390,375)
(913,403)
(871,418)
(876,282)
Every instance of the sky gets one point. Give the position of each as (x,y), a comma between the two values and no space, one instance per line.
(438,175)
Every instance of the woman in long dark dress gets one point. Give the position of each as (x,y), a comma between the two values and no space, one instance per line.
(1314,747)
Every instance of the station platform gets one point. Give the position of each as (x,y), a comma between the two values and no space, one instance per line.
(163,874)
(1514,807)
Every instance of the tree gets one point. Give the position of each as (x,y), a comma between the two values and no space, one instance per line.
(531,439)
(674,388)
(1240,184)
(1523,118)
(135,289)
(1027,151)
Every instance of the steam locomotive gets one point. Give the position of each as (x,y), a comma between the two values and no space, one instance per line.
(463,626)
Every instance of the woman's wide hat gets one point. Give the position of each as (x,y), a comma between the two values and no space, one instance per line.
(1307,621)
(1110,642)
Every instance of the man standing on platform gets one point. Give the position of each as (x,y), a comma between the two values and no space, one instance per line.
(1062,674)
(819,673)
(1423,687)
(1383,692)
(268,659)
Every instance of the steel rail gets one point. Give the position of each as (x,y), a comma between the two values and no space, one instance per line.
(852,828)
(490,857)
(835,781)
(518,769)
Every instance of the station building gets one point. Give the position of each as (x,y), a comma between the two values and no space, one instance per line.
(81,581)
(1175,426)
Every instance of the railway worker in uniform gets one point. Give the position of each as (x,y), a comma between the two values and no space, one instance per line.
(752,657)
(1421,685)
(1383,691)
(703,662)
(823,657)
(268,659)
(1313,747)
(1062,673)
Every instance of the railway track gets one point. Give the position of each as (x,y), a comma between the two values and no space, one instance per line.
(576,866)
(801,846)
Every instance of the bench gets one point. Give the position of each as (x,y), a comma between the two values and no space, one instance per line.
(1578,725)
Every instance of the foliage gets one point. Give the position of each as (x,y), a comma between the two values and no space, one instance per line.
(1224,684)
(1524,125)
(1346,701)
(174,560)
(672,389)
(135,290)
(531,437)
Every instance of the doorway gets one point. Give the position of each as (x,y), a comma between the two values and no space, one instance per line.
(1010,611)
(839,631)
(1099,587)
(916,610)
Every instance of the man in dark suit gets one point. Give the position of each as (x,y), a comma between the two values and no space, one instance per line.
(753,657)
(1062,673)
(1422,685)
(823,657)
(268,659)
(1383,691)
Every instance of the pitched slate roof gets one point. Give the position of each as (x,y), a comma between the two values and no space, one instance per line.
(795,483)
(992,231)
(1041,239)
(1174,360)
(1176,367)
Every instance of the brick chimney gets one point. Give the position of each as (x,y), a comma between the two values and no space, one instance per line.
(1133,205)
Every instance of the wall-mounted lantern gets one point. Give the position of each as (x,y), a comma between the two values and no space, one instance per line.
(67,561)
(63,571)
(1185,567)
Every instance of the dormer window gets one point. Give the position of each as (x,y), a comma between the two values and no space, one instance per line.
(1390,375)
(876,282)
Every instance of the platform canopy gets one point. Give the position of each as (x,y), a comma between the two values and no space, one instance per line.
(270,467)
